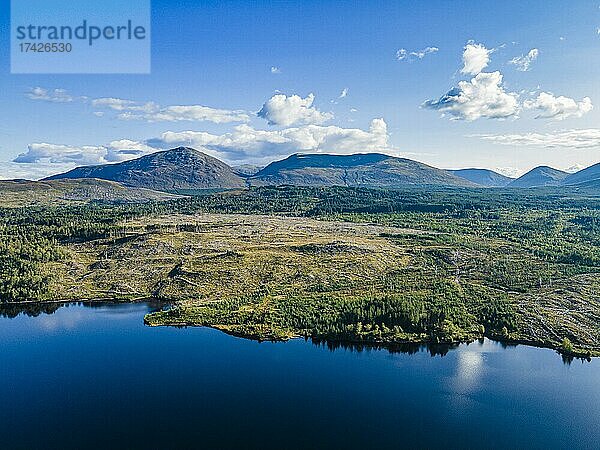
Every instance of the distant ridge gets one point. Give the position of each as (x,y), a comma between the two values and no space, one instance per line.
(483,177)
(185,170)
(181,168)
(590,176)
(368,170)
(539,177)
(18,193)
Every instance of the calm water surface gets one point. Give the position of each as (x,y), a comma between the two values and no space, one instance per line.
(98,378)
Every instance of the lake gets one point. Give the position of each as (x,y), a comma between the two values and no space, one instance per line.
(97,377)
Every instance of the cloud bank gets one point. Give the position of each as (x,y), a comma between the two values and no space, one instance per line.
(243,144)
(576,138)
(115,151)
(246,143)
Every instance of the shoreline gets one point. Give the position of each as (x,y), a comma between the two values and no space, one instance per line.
(583,355)
(387,345)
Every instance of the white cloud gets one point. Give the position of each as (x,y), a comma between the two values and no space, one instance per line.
(243,144)
(292,110)
(58,154)
(61,154)
(483,96)
(190,113)
(576,138)
(126,149)
(31,171)
(275,70)
(575,168)
(119,104)
(152,112)
(248,144)
(49,95)
(558,108)
(511,172)
(523,62)
(475,58)
(148,111)
(344,93)
(405,55)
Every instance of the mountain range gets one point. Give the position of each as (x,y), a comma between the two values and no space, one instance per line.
(367,170)
(185,169)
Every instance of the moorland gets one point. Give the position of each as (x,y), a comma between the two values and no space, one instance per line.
(379,267)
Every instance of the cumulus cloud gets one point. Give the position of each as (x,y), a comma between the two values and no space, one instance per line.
(486,96)
(61,154)
(243,144)
(576,138)
(49,95)
(152,112)
(290,110)
(558,108)
(116,151)
(405,55)
(523,62)
(344,93)
(482,96)
(475,58)
(275,69)
(246,143)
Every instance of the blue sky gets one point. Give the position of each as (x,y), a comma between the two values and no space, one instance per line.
(215,65)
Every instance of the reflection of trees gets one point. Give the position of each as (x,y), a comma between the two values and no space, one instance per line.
(12,310)
(407,348)
(31,309)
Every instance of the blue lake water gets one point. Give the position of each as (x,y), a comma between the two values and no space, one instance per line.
(96,377)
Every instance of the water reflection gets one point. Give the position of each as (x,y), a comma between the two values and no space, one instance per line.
(61,322)
(10,310)
(52,323)
(406,348)
(107,373)
(31,310)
